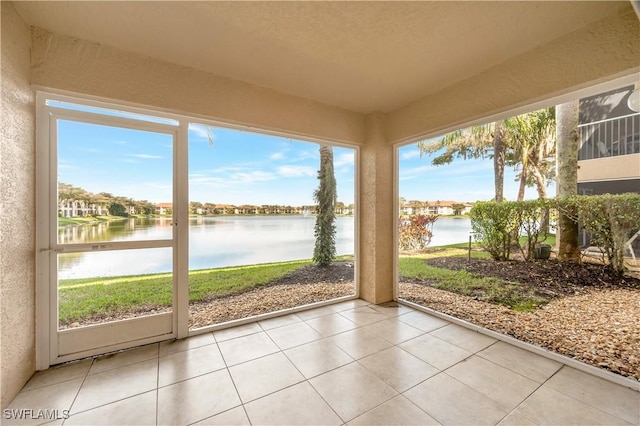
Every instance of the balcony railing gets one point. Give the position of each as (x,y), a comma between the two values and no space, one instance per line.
(610,137)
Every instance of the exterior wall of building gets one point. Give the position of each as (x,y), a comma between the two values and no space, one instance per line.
(609,168)
(609,152)
(17,204)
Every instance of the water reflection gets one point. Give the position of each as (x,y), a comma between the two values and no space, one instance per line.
(218,242)
(125,229)
(213,242)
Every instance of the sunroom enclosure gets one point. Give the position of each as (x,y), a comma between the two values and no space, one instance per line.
(600,44)
(121,270)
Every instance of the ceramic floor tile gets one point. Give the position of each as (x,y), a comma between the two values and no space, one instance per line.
(187,364)
(467,339)
(348,305)
(234,417)
(393,331)
(359,343)
(364,315)
(315,313)
(196,399)
(178,345)
(113,385)
(453,403)
(293,335)
(317,357)
(609,397)
(328,325)
(436,352)
(136,410)
(56,398)
(270,323)
(343,390)
(398,368)
(260,377)
(59,373)
(246,348)
(391,309)
(296,405)
(521,361)
(398,411)
(498,383)
(237,331)
(121,359)
(515,418)
(549,407)
(423,321)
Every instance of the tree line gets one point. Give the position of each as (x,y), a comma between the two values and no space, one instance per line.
(76,201)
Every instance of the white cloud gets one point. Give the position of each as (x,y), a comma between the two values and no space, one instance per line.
(295,171)
(146,156)
(277,156)
(410,154)
(413,172)
(346,159)
(200,131)
(231,176)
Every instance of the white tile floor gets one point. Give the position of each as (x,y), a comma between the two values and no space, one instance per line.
(349,363)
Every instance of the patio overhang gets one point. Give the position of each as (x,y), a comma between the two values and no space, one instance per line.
(369,75)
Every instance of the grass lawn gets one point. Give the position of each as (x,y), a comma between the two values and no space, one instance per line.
(80,298)
(490,289)
(86,297)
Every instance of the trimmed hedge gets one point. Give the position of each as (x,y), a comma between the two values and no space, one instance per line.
(610,219)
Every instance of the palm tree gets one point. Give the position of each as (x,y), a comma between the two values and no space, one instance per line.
(525,141)
(485,141)
(567,178)
(324,251)
(533,145)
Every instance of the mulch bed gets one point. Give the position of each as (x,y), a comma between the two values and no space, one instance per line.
(547,278)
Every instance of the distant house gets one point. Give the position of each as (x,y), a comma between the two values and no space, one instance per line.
(164,208)
(440,208)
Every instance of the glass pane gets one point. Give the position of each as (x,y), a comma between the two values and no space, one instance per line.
(252,219)
(97,287)
(114,184)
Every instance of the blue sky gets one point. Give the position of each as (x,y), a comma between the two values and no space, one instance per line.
(462,180)
(238,168)
(248,168)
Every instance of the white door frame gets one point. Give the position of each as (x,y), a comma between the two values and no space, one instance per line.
(91,340)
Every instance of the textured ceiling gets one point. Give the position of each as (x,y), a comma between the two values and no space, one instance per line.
(360,56)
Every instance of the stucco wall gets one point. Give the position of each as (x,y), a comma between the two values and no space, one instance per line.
(75,65)
(594,54)
(609,168)
(17,206)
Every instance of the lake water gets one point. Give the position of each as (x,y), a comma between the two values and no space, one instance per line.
(215,242)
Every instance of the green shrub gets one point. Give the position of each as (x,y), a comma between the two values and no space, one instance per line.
(610,219)
(495,227)
(498,226)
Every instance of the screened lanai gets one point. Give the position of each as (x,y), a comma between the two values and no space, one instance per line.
(369,76)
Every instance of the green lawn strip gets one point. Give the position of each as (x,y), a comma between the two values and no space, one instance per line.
(489,289)
(459,250)
(81,298)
